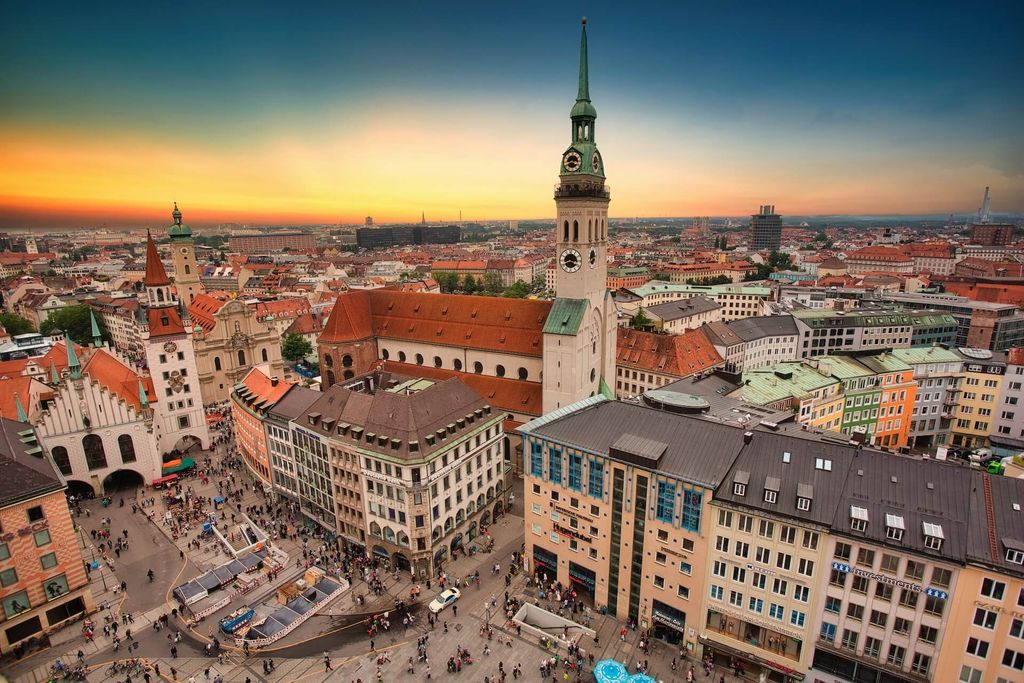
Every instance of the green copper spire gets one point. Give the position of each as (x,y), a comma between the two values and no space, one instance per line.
(178,229)
(73,365)
(97,338)
(584,91)
(54,375)
(143,400)
(22,417)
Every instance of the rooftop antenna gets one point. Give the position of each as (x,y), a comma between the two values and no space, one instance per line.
(985,212)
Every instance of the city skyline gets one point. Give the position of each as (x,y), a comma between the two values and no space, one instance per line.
(323,117)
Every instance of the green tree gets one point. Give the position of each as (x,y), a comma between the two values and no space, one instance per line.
(470,285)
(15,324)
(661,277)
(448,282)
(76,321)
(779,261)
(519,290)
(491,282)
(640,321)
(296,347)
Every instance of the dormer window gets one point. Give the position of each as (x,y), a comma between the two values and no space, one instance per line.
(823,464)
(739,484)
(858,518)
(1014,556)
(771,489)
(804,496)
(803,504)
(894,527)
(933,535)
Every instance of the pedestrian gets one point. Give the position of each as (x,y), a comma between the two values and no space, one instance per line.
(327,662)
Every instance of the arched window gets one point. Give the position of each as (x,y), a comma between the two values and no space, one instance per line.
(216,362)
(241,357)
(437,361)
(384,354)
(348,374)
(401,356)
(127,447)
(575,231)
(590,230)
(159,295)
(188,269)
(478,367)
(329,361)
(263,354)
(579,132)
(346,361)
(61,459)
(330,377)
(565,230)
(457,364)
(499,370)
(238,326)
(593,374)
(95,457)
(523,373)
(419,359)
(375,529)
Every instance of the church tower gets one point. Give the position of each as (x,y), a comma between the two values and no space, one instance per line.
(579,337)
(183,251)
(179,414)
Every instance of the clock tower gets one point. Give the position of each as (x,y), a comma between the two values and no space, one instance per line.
(179,417)
(579,352)
(183,253)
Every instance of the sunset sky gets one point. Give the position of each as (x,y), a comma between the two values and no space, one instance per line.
(327,112)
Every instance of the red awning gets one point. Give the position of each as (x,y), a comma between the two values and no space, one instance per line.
(165,480)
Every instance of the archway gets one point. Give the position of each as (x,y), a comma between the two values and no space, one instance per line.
(456,543)
(436,533)
(471,532)
(448,525)
(375,529)
(480,501)
(460,517)
(499,509)
(490,493)
(485,518)
(401,562)
(122,480)
(80,489)
(389,534)
(403,539)
(188,444)
(381,553)
(470,507)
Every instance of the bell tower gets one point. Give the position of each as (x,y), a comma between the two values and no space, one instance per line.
(579,337)
(183,252)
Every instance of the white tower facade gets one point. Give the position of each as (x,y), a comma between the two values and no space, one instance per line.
(579,337)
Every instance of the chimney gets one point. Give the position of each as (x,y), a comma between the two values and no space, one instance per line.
(748,437)
(273,381)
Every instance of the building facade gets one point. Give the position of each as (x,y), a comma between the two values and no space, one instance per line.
(43,582)
(766,229)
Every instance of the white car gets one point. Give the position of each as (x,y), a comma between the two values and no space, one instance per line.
(444,599)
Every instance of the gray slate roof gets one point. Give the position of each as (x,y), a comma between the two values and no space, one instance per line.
(750,329)
(916,490)
(23,475)
(683,308)
(1001,495)
(294,403)
(696,451)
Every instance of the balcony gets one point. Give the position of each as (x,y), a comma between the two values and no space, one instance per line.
(583,190)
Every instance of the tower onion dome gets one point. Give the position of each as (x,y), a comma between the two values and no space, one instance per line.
(583,107)
(179,229)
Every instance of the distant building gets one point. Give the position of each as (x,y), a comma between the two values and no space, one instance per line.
(264,243)
(379,238)
(766,229)
(368,221)
(676,317)
(992,234)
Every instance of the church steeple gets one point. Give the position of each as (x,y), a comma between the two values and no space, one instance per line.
(158,285)
(582,157)
(73,365)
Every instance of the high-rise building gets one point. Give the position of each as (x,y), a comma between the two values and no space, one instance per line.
(766,229)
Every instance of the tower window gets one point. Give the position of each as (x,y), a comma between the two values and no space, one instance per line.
(575,231)
(216,362)
(241,357)
(264,355)
(586,132)
(401,356)
(565,236)
(437,361)
(419,359)
(188,270)
(478,367)
(523,373)
(499,370)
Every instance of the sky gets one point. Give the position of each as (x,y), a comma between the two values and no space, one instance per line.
(326,112)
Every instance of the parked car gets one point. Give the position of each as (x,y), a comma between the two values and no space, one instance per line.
(444,599)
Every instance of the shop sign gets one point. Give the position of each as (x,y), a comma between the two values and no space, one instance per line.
(892,581)
(25,531)
(570,532)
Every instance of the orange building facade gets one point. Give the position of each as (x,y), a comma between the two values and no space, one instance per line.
(250,400)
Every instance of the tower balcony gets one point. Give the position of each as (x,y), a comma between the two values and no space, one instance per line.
(583,189)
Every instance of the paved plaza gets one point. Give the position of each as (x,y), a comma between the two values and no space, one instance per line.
(300,656)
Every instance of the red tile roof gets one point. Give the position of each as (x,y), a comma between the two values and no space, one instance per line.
(486,323)
(676,355)
(164,322)
(119,379)
(262,388)
(304,324)
(11,387)
(156,276)
(513,395)
(205,306)
(289,307)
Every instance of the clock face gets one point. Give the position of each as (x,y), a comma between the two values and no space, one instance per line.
(596,162)
(570,260)
(593,257)
(184,250)
(170,347)
(572,161)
